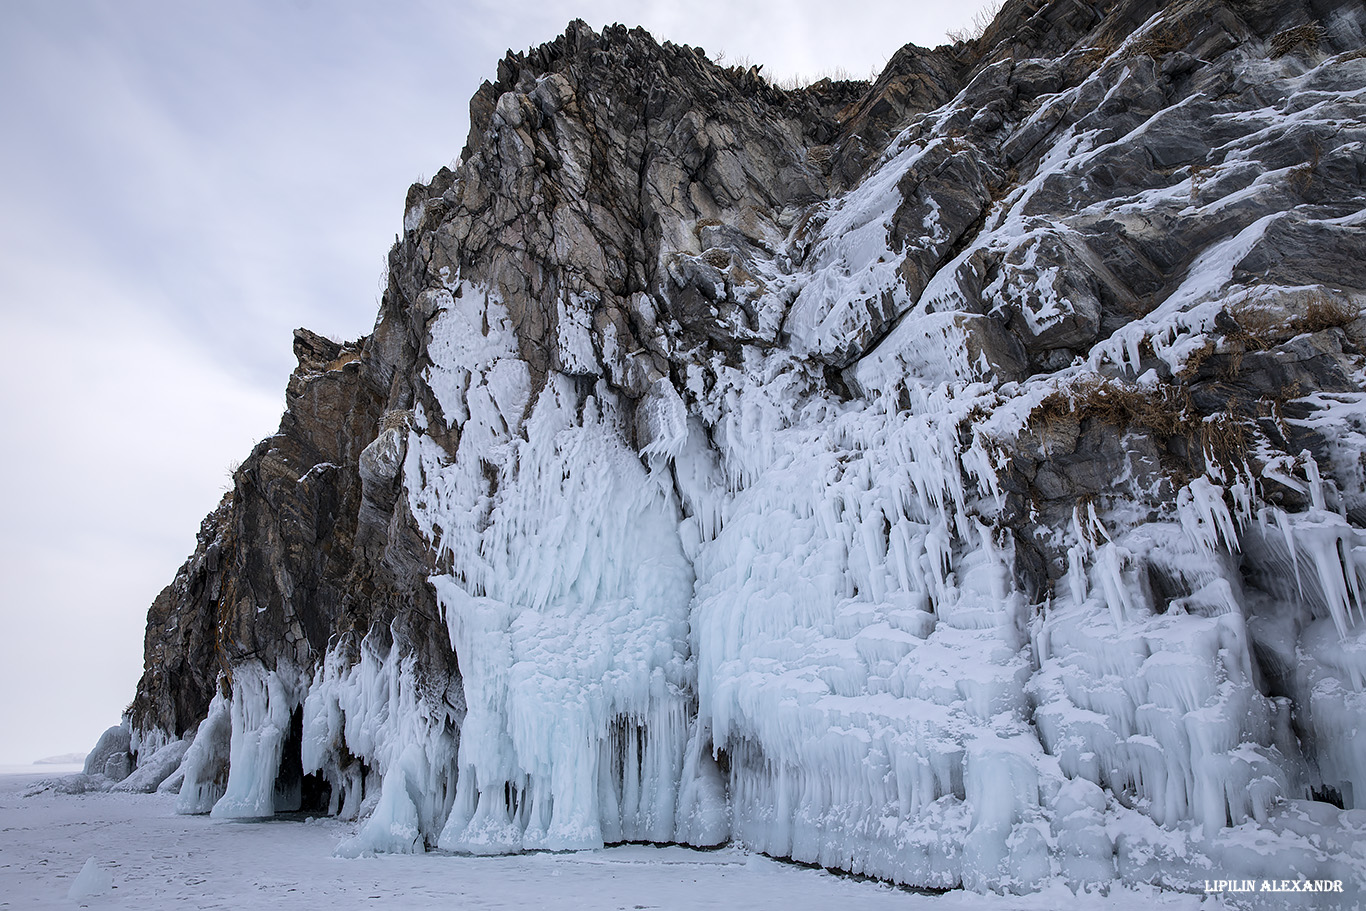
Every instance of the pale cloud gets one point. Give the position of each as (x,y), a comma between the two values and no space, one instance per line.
(117,435)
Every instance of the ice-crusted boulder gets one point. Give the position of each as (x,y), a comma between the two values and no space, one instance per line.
(155,768)
(955,479)
(110,756)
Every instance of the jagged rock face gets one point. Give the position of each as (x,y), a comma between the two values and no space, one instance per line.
(299,556)
(923,478)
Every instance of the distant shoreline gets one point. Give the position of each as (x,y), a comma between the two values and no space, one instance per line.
(46,770)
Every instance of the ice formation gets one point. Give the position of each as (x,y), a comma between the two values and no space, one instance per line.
(204,770)
(91,882)
(155,768)
(848,590)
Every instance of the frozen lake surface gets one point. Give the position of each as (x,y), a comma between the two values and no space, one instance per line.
(156,859)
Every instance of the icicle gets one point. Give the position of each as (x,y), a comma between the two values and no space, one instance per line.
(1205,517)
(1076,572)
(1311,472)
(1288,534)
(1109,566)
(205,765)
(261,704)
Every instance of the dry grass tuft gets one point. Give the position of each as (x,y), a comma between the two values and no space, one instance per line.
(1324,312)
(1300,37)
(1224,438)
(1258,328)
(1098,53)
(1196,359)
(798,81)
(977,26)
(1163,410)
(1160,41)
(1010,179)
(1252,330)
(1302,176)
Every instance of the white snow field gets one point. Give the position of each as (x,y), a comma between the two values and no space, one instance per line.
(147,857)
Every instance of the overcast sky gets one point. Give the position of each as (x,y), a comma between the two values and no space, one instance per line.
(181,185)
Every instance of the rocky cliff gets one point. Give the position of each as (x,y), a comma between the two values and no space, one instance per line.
(956,478)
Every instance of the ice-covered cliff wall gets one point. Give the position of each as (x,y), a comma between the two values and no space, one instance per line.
(956,479)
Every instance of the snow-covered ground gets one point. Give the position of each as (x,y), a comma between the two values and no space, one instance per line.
(153,859)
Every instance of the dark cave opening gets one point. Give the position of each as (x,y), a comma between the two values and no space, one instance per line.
(296,792)
(289,778)
(315,795)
